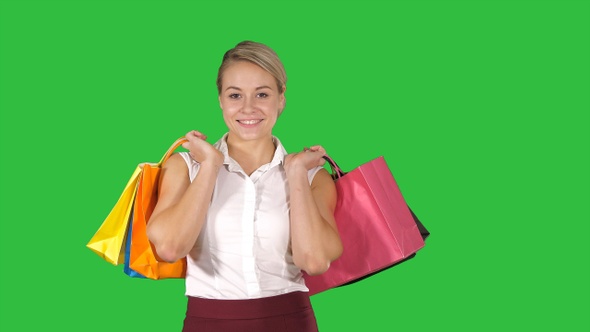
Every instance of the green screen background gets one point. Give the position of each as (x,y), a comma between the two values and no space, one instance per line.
(480,108)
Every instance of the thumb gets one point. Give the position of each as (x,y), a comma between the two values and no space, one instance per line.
(322,161)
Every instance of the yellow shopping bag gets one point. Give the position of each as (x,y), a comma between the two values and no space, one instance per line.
(109,239)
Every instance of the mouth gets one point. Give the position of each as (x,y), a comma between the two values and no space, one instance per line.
(250,122)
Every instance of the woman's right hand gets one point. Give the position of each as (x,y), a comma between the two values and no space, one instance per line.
(200,150)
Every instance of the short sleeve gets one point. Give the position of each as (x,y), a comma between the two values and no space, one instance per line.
(312,172)
(193,166)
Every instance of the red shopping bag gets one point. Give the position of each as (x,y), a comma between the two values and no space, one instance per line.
(376,226)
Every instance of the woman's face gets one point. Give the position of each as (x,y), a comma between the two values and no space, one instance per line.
(250,101)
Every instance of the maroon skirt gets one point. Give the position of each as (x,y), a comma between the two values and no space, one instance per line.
(291,312)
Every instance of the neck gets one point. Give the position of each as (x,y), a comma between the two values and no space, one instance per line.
(251,154)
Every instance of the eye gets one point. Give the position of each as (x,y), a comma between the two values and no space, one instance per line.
(262,95)
(234,96)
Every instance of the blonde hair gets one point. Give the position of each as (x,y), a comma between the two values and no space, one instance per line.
(258,54)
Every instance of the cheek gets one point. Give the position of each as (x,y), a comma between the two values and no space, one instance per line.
(274,116)
(228,109)
(227,115)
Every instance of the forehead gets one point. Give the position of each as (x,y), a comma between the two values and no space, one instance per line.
(244,74)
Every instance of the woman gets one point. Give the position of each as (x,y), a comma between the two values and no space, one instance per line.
(248,216)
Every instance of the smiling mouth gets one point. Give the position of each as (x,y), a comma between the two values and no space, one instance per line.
(249,122)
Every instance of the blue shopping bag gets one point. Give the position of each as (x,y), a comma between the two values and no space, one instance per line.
(129,271)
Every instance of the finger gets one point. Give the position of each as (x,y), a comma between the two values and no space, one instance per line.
(318,148)
(196,133)
(319,154)
(315,157)
(318,157)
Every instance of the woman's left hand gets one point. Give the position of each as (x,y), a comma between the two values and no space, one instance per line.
(307,159)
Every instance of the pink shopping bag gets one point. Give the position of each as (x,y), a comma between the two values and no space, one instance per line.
(375,224)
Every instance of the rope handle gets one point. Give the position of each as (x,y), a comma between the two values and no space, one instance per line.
(337,172)
(173,147)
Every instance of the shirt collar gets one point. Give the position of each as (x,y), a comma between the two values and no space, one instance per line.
(233,166)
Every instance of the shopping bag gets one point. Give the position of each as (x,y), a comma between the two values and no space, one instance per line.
(143,258)
(374,222)
(107,242)
(126,268)
(424,233)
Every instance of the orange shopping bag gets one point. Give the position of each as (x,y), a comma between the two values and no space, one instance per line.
(142,255)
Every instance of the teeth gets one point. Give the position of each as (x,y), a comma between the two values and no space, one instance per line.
(249,122)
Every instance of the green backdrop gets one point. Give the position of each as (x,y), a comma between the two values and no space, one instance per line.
(481,109)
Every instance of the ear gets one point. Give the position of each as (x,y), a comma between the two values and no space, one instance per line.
(219,98)
(282,100)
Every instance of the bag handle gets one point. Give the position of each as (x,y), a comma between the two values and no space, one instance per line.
(173,147)
(337,172)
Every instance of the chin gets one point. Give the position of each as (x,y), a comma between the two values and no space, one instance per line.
(245,136)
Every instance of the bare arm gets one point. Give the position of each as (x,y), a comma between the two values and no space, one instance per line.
(314,237)
(182,206)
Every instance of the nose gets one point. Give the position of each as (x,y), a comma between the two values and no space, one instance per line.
(249,105)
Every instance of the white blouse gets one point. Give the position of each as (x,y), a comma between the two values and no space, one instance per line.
(244,249)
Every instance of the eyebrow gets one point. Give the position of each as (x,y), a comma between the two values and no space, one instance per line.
(258,88)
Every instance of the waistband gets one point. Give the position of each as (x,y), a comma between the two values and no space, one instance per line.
(248,309)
